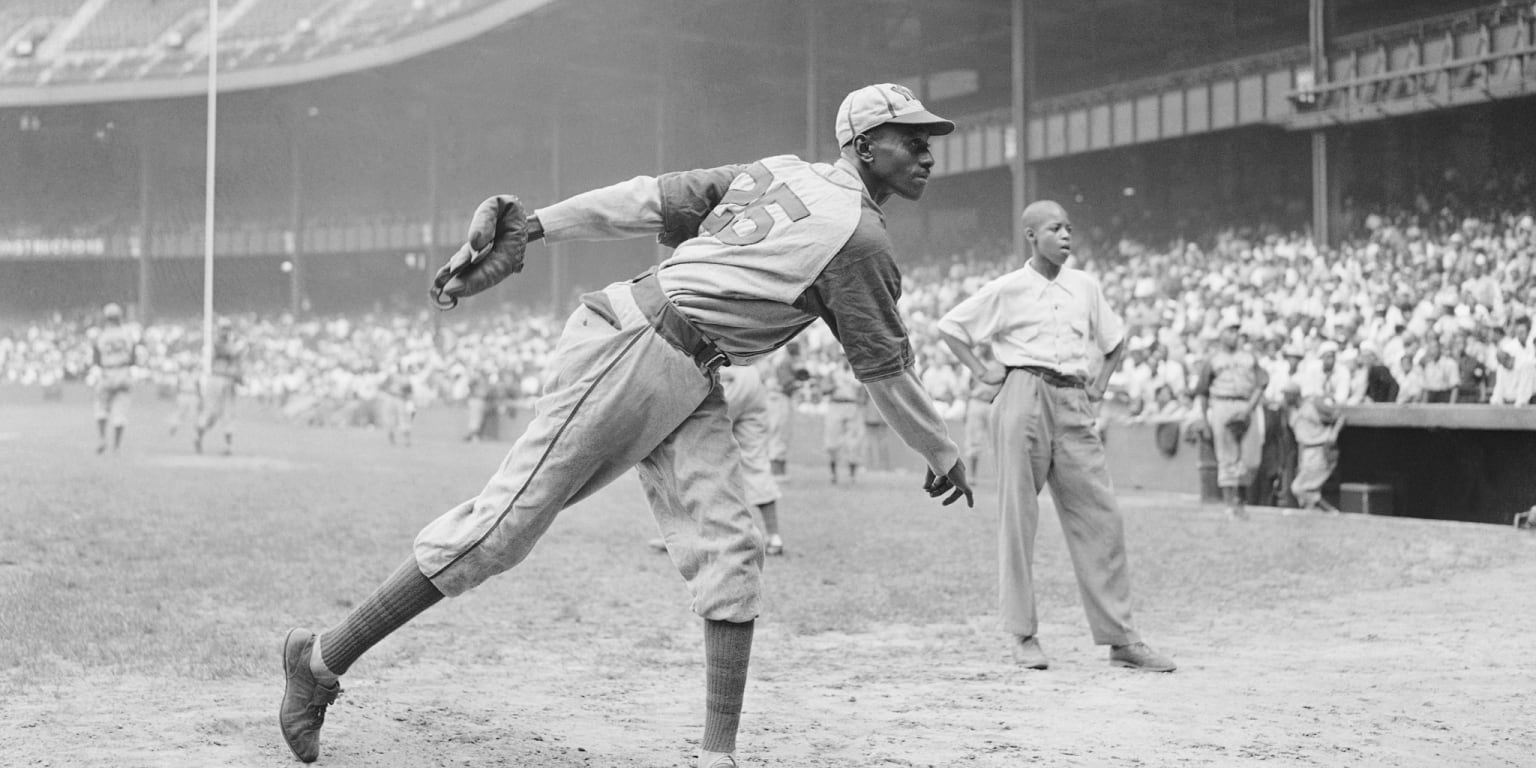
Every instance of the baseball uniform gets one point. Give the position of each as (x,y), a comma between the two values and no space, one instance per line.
(1228,384)
(843,422)
(218,402)
(780,243)
(746,404)
(114,352)
(762,250)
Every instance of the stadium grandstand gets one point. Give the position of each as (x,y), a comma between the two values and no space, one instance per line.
(360,130)
(1328,169)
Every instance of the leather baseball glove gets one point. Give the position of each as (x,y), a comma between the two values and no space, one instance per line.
(498,238)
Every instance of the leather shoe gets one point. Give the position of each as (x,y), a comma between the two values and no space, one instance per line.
(1027,652)
(1139,656)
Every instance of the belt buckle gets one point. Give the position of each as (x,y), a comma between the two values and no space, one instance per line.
(717,360)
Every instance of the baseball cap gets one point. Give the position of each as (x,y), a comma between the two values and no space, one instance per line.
(875,105)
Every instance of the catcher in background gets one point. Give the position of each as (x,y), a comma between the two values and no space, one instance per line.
(114,352)
(762,250)
(218,395)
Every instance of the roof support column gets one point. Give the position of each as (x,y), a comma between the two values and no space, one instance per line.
(812,119)
(146,140)
(298,117)
(556,253)
(1325,186)
(1023,51)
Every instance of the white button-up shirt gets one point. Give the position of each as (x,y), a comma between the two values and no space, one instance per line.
(1064,324)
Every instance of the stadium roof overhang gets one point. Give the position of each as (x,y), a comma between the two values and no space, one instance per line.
(433,38)
(609,46)
(884,38)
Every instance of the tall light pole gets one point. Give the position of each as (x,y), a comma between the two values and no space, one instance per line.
(208,183)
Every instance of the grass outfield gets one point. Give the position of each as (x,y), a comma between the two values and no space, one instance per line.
(147,592)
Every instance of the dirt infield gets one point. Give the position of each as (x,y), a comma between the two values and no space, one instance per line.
(1302,640)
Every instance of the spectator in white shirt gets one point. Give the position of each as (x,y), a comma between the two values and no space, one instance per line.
(1514,376)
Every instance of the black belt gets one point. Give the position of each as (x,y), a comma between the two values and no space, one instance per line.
(670,324)
(1053,378)
(1227,397)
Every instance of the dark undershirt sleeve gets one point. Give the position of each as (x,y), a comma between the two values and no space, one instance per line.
(856,295)
(687,197)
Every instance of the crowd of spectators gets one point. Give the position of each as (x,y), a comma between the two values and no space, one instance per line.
(1421,306)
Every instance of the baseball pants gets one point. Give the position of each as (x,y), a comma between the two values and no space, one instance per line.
(1045,435)
(615,397)
(978,427)
(218,404)
(750,429)
(780,422)
(1314,464)
(112,402)
(843,432)
(1236,459)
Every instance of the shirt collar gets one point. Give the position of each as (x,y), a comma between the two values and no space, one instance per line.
(1038,282)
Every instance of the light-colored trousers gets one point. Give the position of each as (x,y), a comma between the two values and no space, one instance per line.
(1314,463)
(781,422)
(1045,436)
(112,395)
(614,398)
(1236,460)
(843,433)
(218,404)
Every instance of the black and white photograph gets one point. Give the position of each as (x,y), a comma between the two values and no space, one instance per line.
(768,383)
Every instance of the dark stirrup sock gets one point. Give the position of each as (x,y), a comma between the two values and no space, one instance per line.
(403,595)
(727,649)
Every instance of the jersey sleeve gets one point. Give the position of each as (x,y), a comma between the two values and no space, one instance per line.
(670,207)
(856,295)
(688,197)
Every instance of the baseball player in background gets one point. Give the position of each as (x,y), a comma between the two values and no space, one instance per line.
(746,403)
(1229,388)
(978,414)
(762,250)
(397,406)
(1316,423)
(218,395)
(1055,341)
(188,383)
(843,424)
(113,354)
(789,378)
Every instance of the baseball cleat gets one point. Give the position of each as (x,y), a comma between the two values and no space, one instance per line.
(304,697)
(717,760)
(1027,652)
(1140,656)
(775,546)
